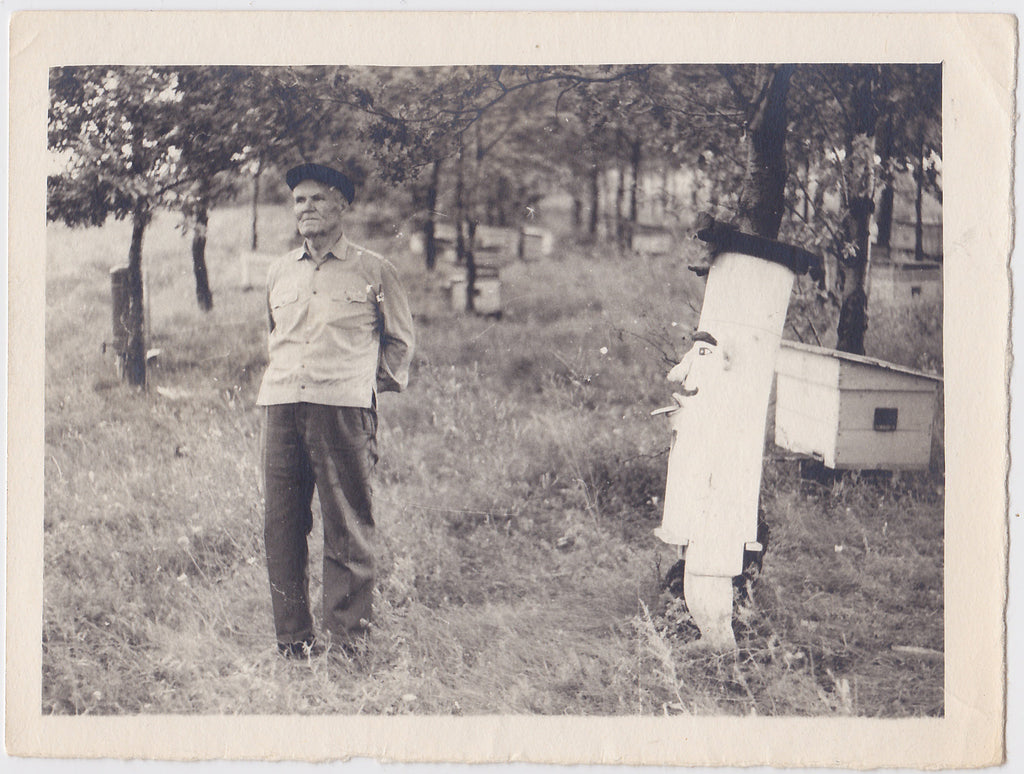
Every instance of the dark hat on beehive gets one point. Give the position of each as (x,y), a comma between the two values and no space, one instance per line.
(324,174)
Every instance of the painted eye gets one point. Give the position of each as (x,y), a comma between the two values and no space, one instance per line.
(702,351)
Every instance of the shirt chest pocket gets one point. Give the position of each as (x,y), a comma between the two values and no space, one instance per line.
(284,305)
(351,305)
(280,297)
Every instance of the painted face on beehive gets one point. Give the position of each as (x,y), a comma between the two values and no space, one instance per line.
(700,368)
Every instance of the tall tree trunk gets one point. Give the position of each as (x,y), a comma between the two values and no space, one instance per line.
(577,212)
(762,201)
(203,295)
(853,314)
(465,230)
(665,195)
(807,189)
(620,195)
(883,220)
(134,371)
(460,238)
(256,204)
(470,267)
(595,201)
(460,207)
(429,223)
(919,198)
(501,201)
(886,199)
(634,191)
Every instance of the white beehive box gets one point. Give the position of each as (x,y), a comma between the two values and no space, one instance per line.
(853,412)
(487,300)
(906,282)
(254,267)
(535,243)
(652,240)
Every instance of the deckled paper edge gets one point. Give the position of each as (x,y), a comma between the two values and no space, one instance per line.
(978,56)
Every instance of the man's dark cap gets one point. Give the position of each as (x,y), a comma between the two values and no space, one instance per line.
(323,174)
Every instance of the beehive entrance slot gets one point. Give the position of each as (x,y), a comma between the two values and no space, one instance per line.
(886,419)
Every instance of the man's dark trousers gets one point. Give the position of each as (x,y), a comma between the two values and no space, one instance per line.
(333,449)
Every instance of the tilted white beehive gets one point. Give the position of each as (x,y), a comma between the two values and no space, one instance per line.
(853,412)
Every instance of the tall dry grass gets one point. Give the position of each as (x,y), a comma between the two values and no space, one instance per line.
(518,484)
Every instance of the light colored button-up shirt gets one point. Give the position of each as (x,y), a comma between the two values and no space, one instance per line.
(339,332)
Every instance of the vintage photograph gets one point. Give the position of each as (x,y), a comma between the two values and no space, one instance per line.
(552,388)
(555,390)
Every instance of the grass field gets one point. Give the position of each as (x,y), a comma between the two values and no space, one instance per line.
(518,485)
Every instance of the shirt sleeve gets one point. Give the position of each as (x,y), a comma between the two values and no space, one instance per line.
(270,311)
(397,337)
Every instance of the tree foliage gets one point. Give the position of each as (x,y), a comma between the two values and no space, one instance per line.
(808,153)
(118,132)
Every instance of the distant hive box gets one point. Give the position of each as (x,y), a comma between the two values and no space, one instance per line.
(487,296)
(651,240)
(853,412)
(254,267)
(906,282)
(496,239)
(445,249)
(903,237)
(534,243)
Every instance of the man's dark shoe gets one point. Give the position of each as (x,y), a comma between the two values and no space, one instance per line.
(302,650)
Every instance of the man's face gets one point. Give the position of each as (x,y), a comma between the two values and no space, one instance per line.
(318,208)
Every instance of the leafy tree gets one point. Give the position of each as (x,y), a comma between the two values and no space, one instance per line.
(760,93)
(119,134)
(490,121)
(862,124)
(919,104)
(860,108)
(213,143)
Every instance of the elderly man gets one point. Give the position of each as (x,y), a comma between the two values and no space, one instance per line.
(340,332)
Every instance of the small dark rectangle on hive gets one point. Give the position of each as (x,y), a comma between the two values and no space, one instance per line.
(886,419)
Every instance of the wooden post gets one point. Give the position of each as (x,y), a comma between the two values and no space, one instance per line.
(119,309)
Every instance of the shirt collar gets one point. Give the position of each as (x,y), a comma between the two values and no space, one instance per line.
(339,250)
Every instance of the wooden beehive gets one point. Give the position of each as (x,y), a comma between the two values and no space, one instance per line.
(254,267)
(651,239)
(853,412)
(487,299)
(534,243)
(906,282)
